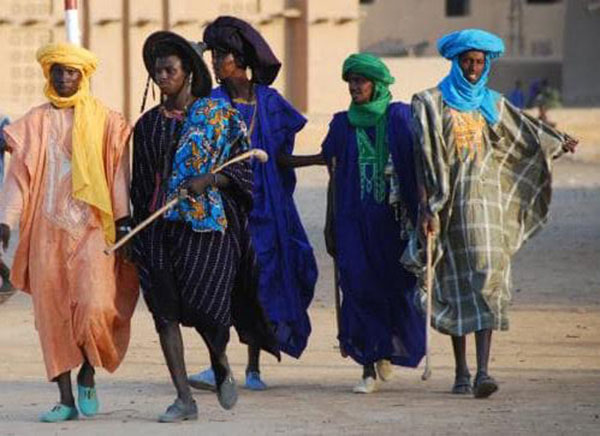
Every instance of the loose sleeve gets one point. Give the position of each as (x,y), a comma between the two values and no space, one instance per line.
(402,155)
(528,147)
(120,191)
(329,145)
(328,150)
(531,134)
(143,171)
(15,192)
(430,154)
(284,121)
(118,134)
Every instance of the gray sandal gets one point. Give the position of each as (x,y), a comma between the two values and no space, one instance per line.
(462,385)
(484,386)
(180,411)
(227,392)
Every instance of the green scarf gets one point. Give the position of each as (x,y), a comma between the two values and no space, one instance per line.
(371,159)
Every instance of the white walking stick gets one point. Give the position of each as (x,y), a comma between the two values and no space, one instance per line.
(429,285)
(261,155)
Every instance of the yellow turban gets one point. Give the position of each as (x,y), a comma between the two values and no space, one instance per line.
(89,117)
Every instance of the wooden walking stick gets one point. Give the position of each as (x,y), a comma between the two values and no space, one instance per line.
(429,285)
(261,155)
(336,272)
(338,302)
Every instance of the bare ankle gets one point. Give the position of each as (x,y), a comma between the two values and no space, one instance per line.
(462,372)
(85,377)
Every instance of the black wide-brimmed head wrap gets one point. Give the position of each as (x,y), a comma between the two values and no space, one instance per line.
(240,38)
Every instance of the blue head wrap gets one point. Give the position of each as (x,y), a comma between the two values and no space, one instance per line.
(456,90)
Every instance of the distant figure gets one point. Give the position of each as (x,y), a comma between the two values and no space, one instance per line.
(517,96)
(6,288)
(4,121)
(534,90)
(547,98)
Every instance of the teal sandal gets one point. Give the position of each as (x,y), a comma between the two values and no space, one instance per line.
(87,400)
(60,413)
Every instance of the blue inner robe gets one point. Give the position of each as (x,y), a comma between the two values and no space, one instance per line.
(379,316)
(288,269)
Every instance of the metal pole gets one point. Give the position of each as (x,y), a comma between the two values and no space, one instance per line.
(72,22)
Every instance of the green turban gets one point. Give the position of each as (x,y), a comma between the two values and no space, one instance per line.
(371,67)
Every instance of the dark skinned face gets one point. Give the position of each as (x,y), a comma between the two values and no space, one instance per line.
(223,64)
(360,88)
(65,80)
(169,75)
(472,64)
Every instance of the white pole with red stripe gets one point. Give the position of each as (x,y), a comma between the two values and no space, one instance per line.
(72,22)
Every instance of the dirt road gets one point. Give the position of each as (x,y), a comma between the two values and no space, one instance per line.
(548,364)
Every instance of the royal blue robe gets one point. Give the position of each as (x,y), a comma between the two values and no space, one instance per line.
(288,269)
(379,319)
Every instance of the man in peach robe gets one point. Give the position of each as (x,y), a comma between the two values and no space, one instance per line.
(67,190)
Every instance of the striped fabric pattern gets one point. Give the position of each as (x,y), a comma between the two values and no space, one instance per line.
(491,191)
(202,268)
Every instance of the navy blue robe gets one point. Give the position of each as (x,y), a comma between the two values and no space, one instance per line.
(288,270)
(379,318)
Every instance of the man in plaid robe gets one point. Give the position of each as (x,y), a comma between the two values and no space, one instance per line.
(485,170)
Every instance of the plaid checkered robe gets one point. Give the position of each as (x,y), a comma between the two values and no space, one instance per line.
(490,187)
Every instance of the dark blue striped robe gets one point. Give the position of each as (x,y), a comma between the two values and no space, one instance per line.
(206,280)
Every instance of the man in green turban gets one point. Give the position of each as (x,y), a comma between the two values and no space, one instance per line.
(373,203)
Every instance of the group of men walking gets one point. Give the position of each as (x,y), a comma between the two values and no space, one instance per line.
(460,165)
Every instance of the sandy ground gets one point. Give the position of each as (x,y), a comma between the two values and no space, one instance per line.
(548,364)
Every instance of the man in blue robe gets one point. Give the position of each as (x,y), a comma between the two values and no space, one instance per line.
(368,150)
(288,270)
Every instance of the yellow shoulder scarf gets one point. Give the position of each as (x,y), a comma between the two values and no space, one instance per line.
(89,117)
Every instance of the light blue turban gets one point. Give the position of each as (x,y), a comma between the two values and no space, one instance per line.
(456,90)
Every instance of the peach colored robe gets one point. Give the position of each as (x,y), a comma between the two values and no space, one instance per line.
(83,300)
